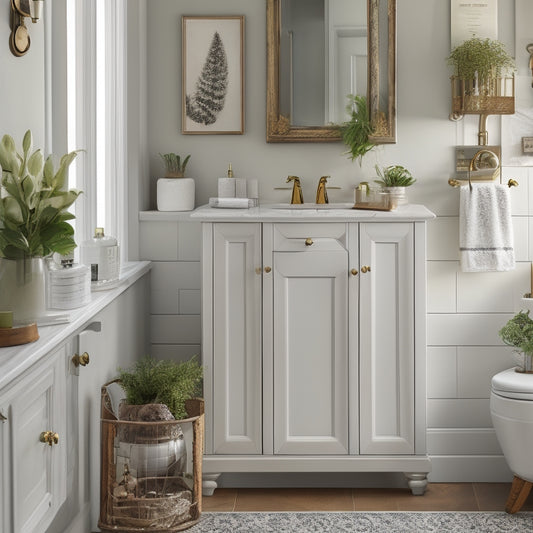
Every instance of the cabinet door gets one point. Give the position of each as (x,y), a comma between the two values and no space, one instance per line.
(37,404)
(386,336)
(237,339)
(310,313)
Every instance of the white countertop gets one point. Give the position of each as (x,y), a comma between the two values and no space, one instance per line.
(273,213)
(16,359)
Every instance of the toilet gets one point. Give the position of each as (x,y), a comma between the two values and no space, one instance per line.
(511,408)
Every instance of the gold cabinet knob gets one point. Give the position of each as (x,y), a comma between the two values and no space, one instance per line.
(308,241)
(49,437)
(365,269)
(258,270)
(354,271)
(268,269)
(81,360)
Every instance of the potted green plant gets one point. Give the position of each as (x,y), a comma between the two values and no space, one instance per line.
(34,217)
(157,390)
(175,192)
(478,84)
(518,332)
(394,179)
(355,132)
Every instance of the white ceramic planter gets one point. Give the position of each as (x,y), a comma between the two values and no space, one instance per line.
(175,194)
(23,288)
(397,195)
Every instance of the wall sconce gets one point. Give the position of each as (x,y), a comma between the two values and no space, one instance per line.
(19,41)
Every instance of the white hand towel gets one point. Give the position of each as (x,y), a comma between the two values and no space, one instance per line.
(486,228)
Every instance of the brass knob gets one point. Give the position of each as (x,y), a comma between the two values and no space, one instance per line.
(365,269)
(81,360)
(512,183)
(2,417)
(308,241)
(354,271)
(258,270)
(49,437)
(268,270)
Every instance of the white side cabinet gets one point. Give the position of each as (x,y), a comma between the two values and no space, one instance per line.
(33,437)
(314,347)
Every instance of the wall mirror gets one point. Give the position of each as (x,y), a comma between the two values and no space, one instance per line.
(318,52)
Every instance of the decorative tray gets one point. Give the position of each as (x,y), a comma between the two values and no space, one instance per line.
(18,335)
(373,207)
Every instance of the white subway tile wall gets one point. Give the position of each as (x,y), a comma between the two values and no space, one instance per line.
(174,249)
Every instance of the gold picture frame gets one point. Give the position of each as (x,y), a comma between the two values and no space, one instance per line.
(213,75)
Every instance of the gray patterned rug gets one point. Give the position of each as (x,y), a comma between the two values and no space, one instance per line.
(363,522)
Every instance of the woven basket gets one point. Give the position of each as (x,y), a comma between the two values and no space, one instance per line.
(165,504)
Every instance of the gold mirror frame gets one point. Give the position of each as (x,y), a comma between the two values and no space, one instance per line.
(278,127)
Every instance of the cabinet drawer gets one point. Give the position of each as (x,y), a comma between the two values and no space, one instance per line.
(309,237)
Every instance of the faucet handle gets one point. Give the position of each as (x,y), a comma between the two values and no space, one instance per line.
(321,192)
(297,195)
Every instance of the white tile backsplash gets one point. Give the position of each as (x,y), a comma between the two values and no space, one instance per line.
(176,329)
(443,239)
(175,352)
(176,275)
(189,241)
(190,302)
(458,413)
(164,302)
(442,286)
(158,241)
(465,329)
(475,367)
(442,372)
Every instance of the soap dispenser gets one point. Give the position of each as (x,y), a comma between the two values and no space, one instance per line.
(226,186)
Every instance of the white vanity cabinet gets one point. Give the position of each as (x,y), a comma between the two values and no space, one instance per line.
(314,346)
(34,473)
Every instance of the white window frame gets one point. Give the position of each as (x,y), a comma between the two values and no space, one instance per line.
(71,105)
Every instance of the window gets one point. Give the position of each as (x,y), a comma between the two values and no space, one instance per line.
(93,108)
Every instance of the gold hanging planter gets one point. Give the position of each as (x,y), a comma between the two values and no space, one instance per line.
(493,96)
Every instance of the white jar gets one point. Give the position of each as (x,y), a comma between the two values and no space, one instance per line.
(101,255)
(175,194)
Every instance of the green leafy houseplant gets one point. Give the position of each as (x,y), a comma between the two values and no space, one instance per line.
(165,382)
(394,176)
(175,165)
(481,59)
(355,132)
(518,332)
(34,202)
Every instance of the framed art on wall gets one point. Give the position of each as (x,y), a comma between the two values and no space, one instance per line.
(213,75)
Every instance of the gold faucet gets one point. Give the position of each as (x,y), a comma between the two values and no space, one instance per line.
(494,162)
(297,195)
(321,192)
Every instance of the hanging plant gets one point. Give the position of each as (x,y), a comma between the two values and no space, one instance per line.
(356,131)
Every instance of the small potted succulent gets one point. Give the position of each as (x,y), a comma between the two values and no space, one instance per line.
(518,332)
(394,179)
(175,192)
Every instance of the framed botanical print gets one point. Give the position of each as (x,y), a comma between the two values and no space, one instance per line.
(213,75)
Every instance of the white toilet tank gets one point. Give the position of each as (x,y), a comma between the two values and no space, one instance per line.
(511,407)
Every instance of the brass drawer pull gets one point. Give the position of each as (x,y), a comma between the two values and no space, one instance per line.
(354,271)
(81,360)
(308,241)
(268,270)
(49,437)
(365,269)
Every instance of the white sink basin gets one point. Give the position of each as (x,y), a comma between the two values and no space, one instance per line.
(299,207)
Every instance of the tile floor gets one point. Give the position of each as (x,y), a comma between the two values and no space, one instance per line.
(438,497)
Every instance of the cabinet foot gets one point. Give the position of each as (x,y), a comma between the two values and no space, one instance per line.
(417,482)
(209,484)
